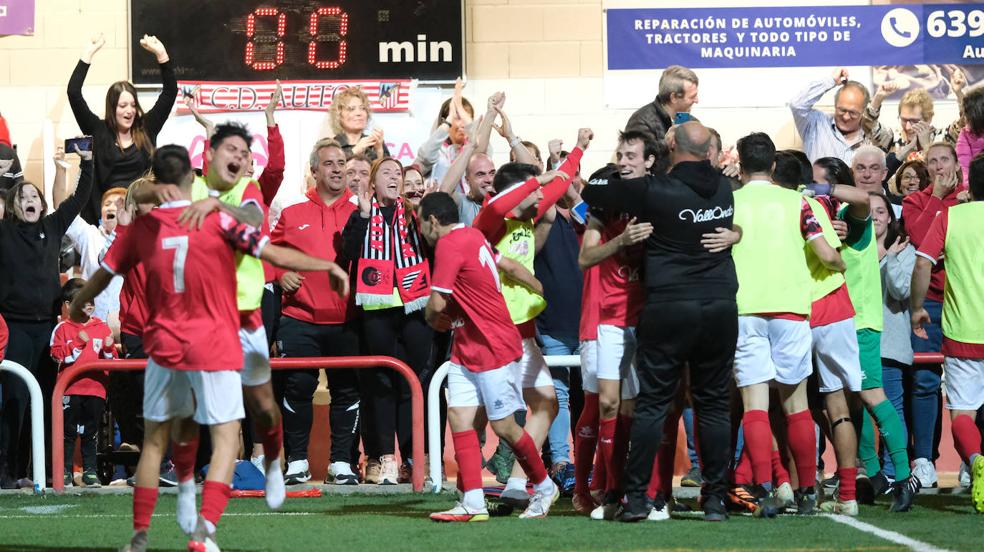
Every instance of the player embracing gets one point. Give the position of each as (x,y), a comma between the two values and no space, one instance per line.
(613,243)
(227,187)
(191,337)
(508,219)
(483,382)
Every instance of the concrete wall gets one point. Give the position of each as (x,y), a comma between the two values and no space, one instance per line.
(547,55)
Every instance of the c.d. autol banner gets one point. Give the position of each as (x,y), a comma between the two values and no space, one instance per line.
(900,41)
(389,96)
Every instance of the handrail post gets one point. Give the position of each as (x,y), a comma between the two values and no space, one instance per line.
(434,426)
(37,421)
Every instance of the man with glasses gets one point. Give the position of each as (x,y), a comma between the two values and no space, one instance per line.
(826,135)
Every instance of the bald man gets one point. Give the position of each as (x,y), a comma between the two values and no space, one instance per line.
(690,317)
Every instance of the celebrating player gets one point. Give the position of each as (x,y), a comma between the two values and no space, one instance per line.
(192,376)
(508,219)
(227,188)
(483,382)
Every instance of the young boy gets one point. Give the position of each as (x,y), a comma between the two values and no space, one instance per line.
(85,399)
(483,382)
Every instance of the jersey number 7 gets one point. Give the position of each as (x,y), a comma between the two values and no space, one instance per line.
(180,246)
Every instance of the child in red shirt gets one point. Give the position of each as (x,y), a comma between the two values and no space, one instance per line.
(85,399)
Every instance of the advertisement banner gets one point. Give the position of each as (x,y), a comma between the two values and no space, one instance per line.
(795,36)
(779,49)
(391,96)
(17,17)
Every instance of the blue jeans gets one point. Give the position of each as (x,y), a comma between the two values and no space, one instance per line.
(926,380)
(688,426)
(893,381)
(560,430)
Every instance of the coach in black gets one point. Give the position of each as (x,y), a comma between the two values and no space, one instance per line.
(690,317)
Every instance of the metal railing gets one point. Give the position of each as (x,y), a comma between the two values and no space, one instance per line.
(37,420)
(317,363)
(434,428)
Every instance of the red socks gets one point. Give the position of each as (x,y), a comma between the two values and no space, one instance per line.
(661,479)
(272,439)
(183,457)
(966,437)
(528,456)
(606,444)
(803,444)
(758,443)
(848,484)
(585,442)
(215,496)
(779,472)
(623,428)
(468,454)
(144,500)
(743,471)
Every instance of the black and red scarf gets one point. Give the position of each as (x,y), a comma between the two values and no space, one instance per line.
(392,251)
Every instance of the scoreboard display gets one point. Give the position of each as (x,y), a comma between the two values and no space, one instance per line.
(261,40)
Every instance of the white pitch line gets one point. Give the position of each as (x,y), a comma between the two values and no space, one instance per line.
(121,516)
(891,536)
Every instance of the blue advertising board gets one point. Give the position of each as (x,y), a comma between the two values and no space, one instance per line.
(723,38)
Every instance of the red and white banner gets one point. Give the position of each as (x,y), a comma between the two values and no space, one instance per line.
(386,96)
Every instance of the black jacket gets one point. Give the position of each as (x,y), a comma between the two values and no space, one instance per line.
(29,275)
(109,171)
(693,199)
(651,118)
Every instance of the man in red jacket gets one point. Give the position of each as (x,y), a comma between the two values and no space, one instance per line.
(315,321)
(919,210)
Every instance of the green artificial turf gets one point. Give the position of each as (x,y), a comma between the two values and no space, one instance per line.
(399,522)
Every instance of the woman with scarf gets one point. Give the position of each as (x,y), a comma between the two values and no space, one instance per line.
(393,285)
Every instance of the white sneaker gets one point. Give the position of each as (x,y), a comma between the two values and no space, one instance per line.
(605,512)
(963,477)
(662,514)
(389,471)
(461,513)
(297,472)
(258,461)
(541,501)
(784,493)
(340,473)
(844,508)
(187,512)
(274,491)
(925,472)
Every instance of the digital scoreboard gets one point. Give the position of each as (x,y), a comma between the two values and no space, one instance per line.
(262,40)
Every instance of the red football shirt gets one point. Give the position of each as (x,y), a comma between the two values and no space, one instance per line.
(590,309)
(465,268)
(192,320)
(68,348)
(619,286)
(3,337)
(133,303)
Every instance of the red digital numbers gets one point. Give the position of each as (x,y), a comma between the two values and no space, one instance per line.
(332,12)
(251,38)
(329,13)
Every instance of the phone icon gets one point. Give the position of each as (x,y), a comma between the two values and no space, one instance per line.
(895,27)
(900,27)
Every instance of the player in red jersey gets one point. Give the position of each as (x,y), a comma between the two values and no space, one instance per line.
(483,383)
(226,187)
(508,220)
(612,242)
(191,336)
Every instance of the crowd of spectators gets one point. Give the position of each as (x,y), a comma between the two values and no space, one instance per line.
(360,198)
